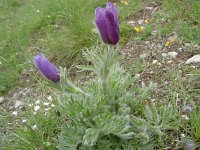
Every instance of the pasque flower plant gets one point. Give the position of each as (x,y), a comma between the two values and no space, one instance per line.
(46,68)
(100,113)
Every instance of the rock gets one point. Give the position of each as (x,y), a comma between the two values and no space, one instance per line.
(1,99)
(189,144)
(187,108)
(140,22)
(19,104)
(154,33)
(164,55)
(131,22)
(143,56)
(193,60)
(172,54)
(149,8)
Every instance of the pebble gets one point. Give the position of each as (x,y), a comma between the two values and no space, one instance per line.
(143,56)
(193,60)
(172,54)
(164,55)
(1,99)
(19,104)
(140,22)
(149,8)
(187,108)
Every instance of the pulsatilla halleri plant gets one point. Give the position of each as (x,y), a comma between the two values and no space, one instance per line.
(101,114)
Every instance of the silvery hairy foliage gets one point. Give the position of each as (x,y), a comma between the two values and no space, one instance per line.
(101,113)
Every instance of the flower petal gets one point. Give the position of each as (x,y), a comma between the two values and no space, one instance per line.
(100,22)
(112,28)
(110,7)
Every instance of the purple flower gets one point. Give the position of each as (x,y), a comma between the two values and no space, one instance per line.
(106,22)
(46,68)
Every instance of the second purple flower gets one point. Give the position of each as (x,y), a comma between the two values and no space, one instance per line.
(106,21)
(46,68)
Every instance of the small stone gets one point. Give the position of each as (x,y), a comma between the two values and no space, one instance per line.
(196,45)
(34,127)
(182,135)
(37,102)
(155,61)
(143,56)
(49,98)
(140,22)
(189,145)
(36,108)
(180,49)
(14,113)
(185,117)
(187,44)
(52,105)
(169,62)
(193,60)
(187,108)
(46,104)
(24,120)
(19,104)
(154,33)
(1,99)
(131,22)
(149,8)
(164,55)
(172,54)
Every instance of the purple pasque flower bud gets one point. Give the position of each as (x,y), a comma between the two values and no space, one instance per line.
(107,24)
(46,68)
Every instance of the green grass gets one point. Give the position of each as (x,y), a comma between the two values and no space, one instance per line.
(180,17)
